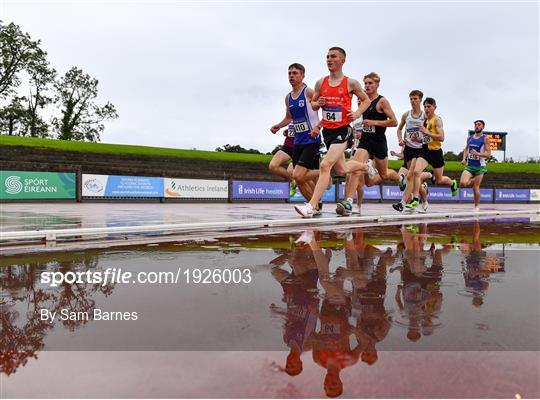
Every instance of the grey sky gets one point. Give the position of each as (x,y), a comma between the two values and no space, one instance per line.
(192,75)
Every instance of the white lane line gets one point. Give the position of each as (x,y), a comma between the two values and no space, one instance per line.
(55,234)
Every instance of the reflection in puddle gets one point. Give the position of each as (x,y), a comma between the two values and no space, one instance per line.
(333,301)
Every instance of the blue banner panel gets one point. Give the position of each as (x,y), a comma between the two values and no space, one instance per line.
(260,190)
(512,195)
(370,193)
(466,194)
(441,194)
(329,196)
(391,193)
(133,186)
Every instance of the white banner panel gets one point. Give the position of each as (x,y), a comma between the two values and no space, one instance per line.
(535,194)
(196,189)
(94,185)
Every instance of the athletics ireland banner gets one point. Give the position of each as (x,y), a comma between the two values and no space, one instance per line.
(37,185)
(196,189)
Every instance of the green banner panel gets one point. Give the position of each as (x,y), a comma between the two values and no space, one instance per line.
(37,185)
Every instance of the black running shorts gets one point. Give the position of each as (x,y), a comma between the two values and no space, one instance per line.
(374,144)
(337,136)
(433,157)
(306,155)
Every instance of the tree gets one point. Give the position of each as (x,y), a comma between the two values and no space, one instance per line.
(81,118)
(41,76)
(17,50)
(13,117)
(236,149)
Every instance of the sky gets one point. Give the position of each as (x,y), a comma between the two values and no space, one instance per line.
(202,74)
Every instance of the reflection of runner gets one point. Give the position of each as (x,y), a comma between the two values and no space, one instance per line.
(331,345)
(300,293)
(479,265)
(372,321)
(476,151)
(333,94)
(418,296)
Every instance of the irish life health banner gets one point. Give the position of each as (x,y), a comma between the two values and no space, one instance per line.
(37,185)
(121,186)
(196,189)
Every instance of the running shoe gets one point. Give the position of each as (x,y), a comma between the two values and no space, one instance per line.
(305,210)
(423,207)
(412,228)
(454,188)
(292,189)
(402,182)
(344,208)
(398,207)
(432,179)
(476,209)
(412,205)
(372,171)
(306,237)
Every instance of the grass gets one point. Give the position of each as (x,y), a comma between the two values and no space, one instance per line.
(106,148)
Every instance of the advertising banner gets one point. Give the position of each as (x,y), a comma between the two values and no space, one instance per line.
(370,193)
(466,194)
(121,186)
(196,189)
(329,196)
(260,190)
(441,194)
(37,185)
(391,193)
(512,194)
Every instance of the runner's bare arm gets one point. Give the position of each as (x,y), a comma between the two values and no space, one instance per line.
(309,94)
(286,120)
(317,100)
(400,128)
(387,109)
(363,99)
(465,152)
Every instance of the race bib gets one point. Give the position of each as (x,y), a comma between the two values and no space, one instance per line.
(472,157)
(412,132)
(332,114)
(290,130)
(358,125)
(369,129)
(301,127)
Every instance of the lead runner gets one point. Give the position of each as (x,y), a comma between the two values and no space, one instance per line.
(333,94)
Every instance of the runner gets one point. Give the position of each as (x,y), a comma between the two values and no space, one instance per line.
(372,143)
(300,116)
(432,154)
(333,94)
(477,150)
(412,120)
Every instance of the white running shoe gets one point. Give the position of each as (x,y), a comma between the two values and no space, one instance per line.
(305,210)
(423,207)
(372,171)
(306,237)
(476,209)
